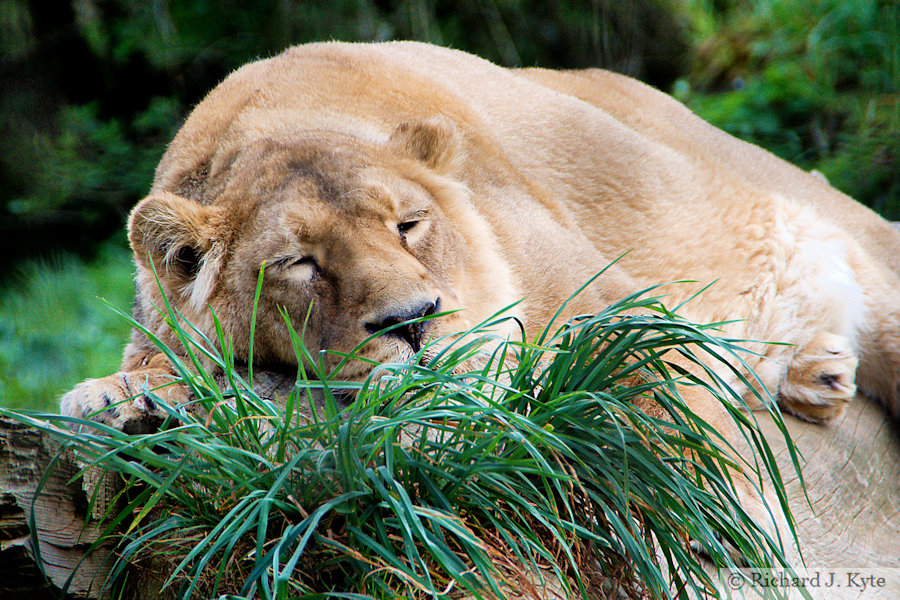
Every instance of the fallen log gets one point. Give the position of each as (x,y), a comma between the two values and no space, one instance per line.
(852,474)
(38,503)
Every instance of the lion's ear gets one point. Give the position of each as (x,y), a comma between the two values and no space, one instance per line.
(433,141)
(176,234)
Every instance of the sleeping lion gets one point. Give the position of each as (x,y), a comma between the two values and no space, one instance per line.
(384,182)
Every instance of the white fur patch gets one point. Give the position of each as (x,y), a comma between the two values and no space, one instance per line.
(203,285)
(821,255)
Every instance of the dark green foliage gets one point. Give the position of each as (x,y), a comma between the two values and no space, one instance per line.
(817,83)
(54,330)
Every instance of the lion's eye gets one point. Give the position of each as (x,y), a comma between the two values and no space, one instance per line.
(308,265)
(413,226)
(306,261)
(406,227)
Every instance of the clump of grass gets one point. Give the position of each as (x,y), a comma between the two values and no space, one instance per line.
(538,468)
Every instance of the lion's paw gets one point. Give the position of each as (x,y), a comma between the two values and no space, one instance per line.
(122,402)
(821,379)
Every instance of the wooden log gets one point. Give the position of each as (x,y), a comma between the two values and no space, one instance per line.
(851,520)
(55,514)
(852,473)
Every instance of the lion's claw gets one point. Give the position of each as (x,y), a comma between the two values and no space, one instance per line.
(122,401)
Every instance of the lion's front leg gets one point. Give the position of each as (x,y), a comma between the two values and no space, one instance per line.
(123,400)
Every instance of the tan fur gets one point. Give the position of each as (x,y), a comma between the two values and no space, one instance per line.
(522,184)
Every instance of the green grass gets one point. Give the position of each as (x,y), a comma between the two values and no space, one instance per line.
(54,329)
(440,482)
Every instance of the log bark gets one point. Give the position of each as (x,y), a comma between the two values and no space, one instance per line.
(852,519)
(53,512)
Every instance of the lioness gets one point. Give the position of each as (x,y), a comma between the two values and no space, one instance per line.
(384,182)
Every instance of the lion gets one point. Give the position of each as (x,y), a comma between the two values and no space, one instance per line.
(383,183)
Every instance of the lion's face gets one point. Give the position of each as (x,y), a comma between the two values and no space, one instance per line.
(352,238)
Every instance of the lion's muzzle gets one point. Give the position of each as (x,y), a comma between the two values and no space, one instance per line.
(396,322)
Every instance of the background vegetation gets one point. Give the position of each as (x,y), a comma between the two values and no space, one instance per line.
(93,90)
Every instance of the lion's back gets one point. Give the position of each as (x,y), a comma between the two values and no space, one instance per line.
(582,149)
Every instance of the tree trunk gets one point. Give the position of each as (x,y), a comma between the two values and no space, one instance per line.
(852,471)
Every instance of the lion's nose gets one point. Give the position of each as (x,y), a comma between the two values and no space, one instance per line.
(412,333)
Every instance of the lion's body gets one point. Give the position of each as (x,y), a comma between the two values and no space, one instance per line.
(384,182)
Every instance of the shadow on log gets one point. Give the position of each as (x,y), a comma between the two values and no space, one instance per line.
(852,520)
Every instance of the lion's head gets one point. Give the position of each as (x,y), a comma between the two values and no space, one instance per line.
(355,238)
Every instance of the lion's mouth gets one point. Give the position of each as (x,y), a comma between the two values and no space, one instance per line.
(427,356)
